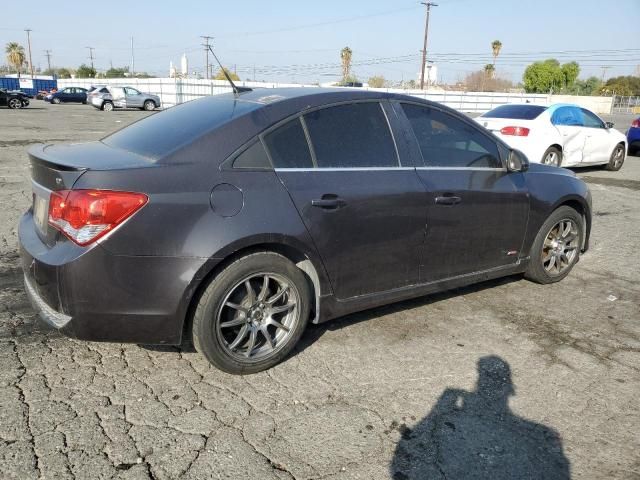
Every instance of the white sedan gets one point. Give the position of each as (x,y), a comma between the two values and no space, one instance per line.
(562,134)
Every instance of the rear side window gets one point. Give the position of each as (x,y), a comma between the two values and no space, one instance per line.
(446,141)
(351,136)
(288,146)
(567,116)
(520,112)
(254,157)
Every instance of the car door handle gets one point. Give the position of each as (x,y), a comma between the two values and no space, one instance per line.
(448,200)
(328,203)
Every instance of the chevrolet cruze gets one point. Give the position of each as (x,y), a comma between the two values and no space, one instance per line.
(235,220)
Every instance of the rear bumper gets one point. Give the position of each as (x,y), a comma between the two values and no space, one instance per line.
(46,313)
(91,294)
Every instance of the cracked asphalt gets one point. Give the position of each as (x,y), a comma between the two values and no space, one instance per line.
(506,379)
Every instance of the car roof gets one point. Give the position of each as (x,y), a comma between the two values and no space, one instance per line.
(319,95)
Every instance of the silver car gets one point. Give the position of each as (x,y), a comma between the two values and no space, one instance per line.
(124,97)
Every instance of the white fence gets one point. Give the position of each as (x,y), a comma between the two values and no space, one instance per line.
(174,91)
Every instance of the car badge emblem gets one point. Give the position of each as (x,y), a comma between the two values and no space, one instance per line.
(58,181)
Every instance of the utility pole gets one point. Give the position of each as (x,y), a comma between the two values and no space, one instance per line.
(47,53)
(91,49)
(133,60)
(206,39)
(28,30)
(426,35)
(604,69)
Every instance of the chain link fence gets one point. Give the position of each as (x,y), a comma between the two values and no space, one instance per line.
(625,104)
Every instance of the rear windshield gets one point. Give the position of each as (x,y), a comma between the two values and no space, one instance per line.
(166,131)
(520,112)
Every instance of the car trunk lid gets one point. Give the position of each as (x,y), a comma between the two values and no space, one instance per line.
(58,167)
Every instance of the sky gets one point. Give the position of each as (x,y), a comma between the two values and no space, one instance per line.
(297,41)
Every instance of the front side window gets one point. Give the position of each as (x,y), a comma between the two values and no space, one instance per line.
(567,116)
(591,120)
(354,135)
(446,141)
(288,146)
(131,91)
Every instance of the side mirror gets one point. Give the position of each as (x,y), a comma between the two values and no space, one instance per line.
(517,161)
(609,124)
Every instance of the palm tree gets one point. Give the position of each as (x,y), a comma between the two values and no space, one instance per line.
(496,45)
(345,56)
(15,55)
(489,70)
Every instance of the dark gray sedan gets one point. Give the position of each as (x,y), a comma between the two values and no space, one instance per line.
(237,220)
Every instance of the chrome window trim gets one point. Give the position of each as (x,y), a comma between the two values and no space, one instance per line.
(480,169)
(344,169)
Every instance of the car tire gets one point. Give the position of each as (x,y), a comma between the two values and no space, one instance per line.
(552,156)
(25,103)
(107,106)
(556,249)
(231,323)
(14,103)
(617,159)
(149,105)
(55,101)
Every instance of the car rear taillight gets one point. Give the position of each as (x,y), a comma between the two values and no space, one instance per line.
(86,215)
(516,131)
(636,123)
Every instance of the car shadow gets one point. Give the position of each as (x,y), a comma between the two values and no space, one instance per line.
(315,331)
(475,435)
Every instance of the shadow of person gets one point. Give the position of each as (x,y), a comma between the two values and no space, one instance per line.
(474,435)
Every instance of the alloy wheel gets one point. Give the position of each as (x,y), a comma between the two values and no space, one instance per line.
(15,103)
(618,157)
(551,158)
(560,247)
(258,316)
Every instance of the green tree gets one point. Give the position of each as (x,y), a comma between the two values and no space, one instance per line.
(543,76)
(489,70)
(570,72)
(590,86)
(625,85)
(85,71)
(496,46)
(377,81)
(15,55)
(63,73)
(220,75)
(116,72)
(346,55)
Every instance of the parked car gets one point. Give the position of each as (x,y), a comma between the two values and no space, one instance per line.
(633,137)
(68,95)
(237,220)
(96,90)
(124,97)
(13,98)
(562,135)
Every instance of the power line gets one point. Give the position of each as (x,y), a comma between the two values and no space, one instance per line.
(426,35)
(319,24)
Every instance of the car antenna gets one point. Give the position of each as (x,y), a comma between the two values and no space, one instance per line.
(236,90)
